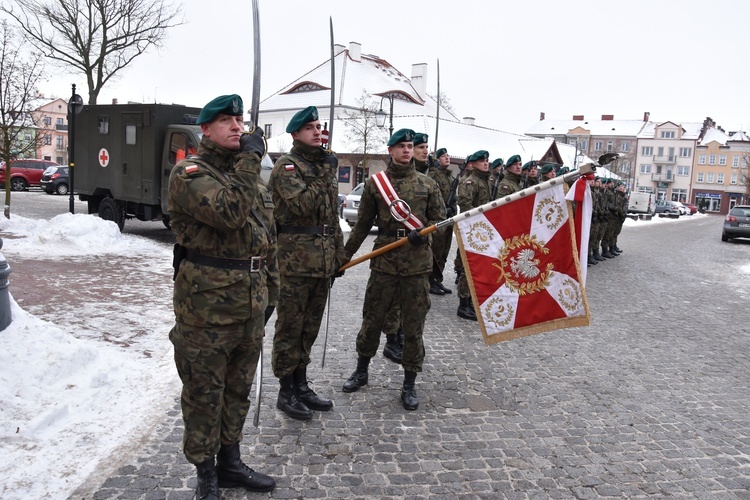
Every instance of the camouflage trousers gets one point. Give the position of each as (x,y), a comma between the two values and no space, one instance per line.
(384,291)
(608,235)
(441,247)
(392,320)
(302,302)
(217,367)
(618,229)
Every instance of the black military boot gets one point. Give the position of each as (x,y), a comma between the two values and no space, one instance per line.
(359,377)
(307,395)
(208,481)
(233,473)
(409,391)
(597,256)
(617,249)
(591,260)
(392,350)
(607,254)
(288,401)
(445,289)
(465,310)
(435,287)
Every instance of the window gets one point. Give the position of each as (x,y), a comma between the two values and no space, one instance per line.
(130,134)
(267,128)
(59,160)
(710,178)
(683,170)
(701,159)
(103,126)
(667,134)
(598,146)
(59,142)
(660,151)
(712,159)
(733,178)
(584,144)
(700,177)
(645,169)
(719,178)
(686,152)
(735,161)
(59,121)
(27,136)
(625,147)
(722,159)
(625,167)
(47,121)
(47,140)
(610,146)
(647,151)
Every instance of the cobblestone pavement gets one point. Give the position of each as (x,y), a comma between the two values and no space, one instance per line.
(651,400)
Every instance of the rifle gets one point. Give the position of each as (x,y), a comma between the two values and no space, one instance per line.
(450,206)
(498,178)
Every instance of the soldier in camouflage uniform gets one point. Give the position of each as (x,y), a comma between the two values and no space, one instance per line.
(226,283)
(621,202)
(610,216)
(511,181)
(547,172)
(304,186)
(422,160)
(442,238)
(399,276)
(529,174)
(473,191)
(496,175)
(599,217)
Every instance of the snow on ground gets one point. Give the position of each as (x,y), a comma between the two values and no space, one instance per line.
(72,396)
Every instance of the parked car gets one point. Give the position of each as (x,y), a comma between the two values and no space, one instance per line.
(667,207)
(682,208)
(340,204)
(693,209)
(24,173)
(737,223)
(55,180)
(350,208)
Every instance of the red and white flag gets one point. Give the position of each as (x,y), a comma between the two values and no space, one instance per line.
(521,262)
(580,192)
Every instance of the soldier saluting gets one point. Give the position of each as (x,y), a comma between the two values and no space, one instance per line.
(399,200)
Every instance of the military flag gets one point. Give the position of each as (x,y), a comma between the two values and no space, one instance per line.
(522,266)
(580,193)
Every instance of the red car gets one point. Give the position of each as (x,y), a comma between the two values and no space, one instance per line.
(693,208)
(25,173)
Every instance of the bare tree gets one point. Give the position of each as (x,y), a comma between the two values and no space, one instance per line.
(445,102)
(95,37)
(362,131)
(19,75)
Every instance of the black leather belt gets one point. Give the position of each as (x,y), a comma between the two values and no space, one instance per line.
(253,265)
(397,233)
(324,230)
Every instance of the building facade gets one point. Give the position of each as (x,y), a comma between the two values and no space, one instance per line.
(52,120)
(720,171)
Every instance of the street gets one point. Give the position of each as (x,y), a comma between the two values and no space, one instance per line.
(650,400)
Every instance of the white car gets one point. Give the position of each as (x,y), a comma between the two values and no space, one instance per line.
(350,207)
(683,209)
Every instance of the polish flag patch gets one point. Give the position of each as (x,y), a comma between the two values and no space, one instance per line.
(289,167)
(191,169)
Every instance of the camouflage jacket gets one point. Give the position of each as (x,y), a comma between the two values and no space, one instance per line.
(621,204)
(423,167)
(510,184)
(474,190)
(218,207)
(444,179)
(305,191)
(610,203)
(426,202)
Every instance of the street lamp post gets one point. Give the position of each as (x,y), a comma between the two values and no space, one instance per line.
(380,115)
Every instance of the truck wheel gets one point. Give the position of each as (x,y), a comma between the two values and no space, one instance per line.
(109,209)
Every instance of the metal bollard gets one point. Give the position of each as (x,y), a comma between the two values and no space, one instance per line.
(5,316)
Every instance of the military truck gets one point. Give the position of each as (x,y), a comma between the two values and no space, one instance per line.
(124,154)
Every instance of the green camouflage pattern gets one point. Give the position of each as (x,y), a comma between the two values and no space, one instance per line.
(473,191)
(426,202)
(510,183)
(442,238)
(392,320)
(219,207)
(305,192)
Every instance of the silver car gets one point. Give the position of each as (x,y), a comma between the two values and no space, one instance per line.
(350,207)
(737,223)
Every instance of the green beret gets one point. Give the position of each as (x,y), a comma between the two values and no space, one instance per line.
(420,138)
(497,163)
(402,135)
(479,155)
(307,115)
(225,104)
(547,168)
(563,171)
(528,165)
(440,152)
(513,159)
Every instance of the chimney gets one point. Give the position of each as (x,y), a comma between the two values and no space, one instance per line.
(608,117)
(114,101)
(419,78)
(646,116)
(541,116)
(468,120)
(355,51)
(338,49)
(578,118)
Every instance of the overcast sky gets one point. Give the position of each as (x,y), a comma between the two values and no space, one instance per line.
(500,62)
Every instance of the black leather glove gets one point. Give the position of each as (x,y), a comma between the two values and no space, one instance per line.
(330,158)
(336,274)
(415,238)
(253,142)
(268,313)
(450,212)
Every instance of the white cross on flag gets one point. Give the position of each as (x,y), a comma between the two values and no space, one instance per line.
(522,266)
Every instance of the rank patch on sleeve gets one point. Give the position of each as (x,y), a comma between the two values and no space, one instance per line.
(191,169)
(288,167)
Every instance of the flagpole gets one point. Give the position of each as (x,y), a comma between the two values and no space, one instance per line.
(570,176)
